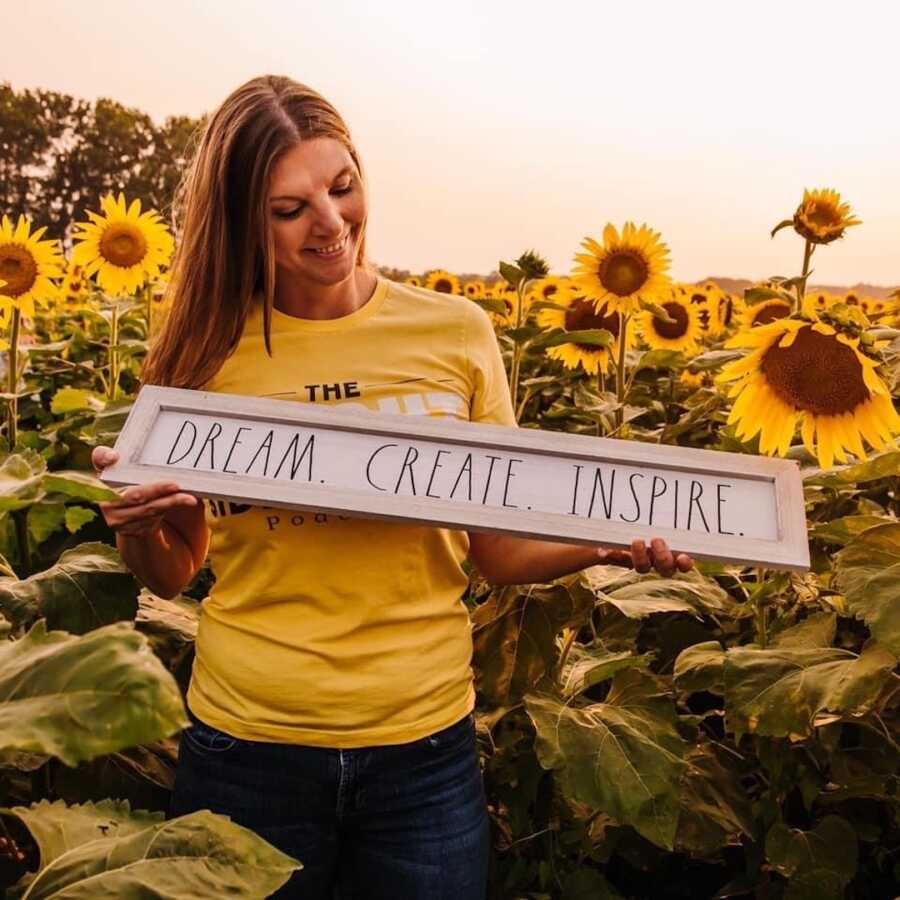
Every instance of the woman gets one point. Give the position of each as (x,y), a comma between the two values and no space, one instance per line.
(331,696)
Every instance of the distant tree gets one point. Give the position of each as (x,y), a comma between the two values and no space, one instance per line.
(59,155)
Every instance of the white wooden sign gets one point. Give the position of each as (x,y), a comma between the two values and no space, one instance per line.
(474,476)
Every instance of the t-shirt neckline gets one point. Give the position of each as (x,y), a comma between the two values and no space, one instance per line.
(282,321)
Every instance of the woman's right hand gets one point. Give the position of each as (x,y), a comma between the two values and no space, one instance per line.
(143,507)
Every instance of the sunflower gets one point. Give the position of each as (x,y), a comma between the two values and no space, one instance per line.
(818,301)
(73,293)
(546,289)
(123,247)
(695,380)
(730,306)
(502,290)
(763,313)
(581,314)
(27,265)
(707,309)
(821,217)
(624,269)
(474,289)
(414,280)
(683,333)
(443,282)
(809,373)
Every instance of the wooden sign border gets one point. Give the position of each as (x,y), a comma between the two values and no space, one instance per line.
(790,552)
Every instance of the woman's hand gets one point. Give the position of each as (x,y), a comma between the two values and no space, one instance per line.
(144,507)
(643,558)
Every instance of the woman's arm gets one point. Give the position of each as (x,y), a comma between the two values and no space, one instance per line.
(503,559)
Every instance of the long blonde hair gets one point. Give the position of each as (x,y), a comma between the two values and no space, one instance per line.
(225,254)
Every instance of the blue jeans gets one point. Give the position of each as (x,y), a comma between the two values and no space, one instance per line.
(393,822)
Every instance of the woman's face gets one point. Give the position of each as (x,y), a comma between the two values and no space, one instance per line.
(316,200)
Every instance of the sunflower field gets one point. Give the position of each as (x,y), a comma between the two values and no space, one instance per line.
(731,732)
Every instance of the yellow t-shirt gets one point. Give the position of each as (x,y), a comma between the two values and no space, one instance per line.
(333,630)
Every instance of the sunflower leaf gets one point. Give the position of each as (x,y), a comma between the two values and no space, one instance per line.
(513,274)
(201,854)
(623,757)
(491,304)
(868,574)
(779,692)
(658,312)
(589,337)
(784,223)
(755,295)
(79,697)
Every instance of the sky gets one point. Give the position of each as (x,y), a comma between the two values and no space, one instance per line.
(488,127)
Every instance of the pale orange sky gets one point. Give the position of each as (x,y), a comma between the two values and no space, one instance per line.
(491,127)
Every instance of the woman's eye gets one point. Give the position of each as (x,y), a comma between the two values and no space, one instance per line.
(293,213)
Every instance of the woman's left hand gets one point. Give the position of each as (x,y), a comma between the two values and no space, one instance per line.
(643,558)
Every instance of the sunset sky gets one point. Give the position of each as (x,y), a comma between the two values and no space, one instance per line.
(491,127)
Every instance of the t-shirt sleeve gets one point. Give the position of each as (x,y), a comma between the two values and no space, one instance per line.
(490,400)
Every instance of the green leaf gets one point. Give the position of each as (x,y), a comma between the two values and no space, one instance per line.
(623,757)
(21,476)
(587,666)
(589,337)
(588,884)
(830,849)
(58,828)
(780,692)
(80,697)
(81,485)
(752,296)
(661,359)
(715,808)
(198,855)
(76,516)
(714,359)
(817,630)
(44,518)
(69,399)
(657,311)
(845,529)
(884,465)
(686,592)
(701,668)
(784,223)
(513,274)
(538,305)
(868,574)
(514,635)
(87,587)
(491,304)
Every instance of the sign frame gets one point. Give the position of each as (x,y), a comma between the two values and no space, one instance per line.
(789,552)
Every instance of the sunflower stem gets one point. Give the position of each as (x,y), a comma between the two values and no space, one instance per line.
(567,646)
(621,389)
(12,380)
(601,387)
(113,353)
(801,284)
(761,617)
(517,351)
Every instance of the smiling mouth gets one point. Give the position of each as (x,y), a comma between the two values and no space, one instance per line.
(331,250)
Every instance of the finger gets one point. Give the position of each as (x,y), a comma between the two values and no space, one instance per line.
(641,556)
(154,509)
(102,456)
(137,494)
(615,557)
(663,559)
(684,562)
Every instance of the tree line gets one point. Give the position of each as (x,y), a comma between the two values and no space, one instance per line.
(59,154)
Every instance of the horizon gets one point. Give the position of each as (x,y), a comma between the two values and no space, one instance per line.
(501,128)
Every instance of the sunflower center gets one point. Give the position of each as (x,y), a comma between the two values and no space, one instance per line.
(123,245)
(823,215)
(582,315)
(623,272)
(672,330)
(18,269)
(770,312)
(817,373)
